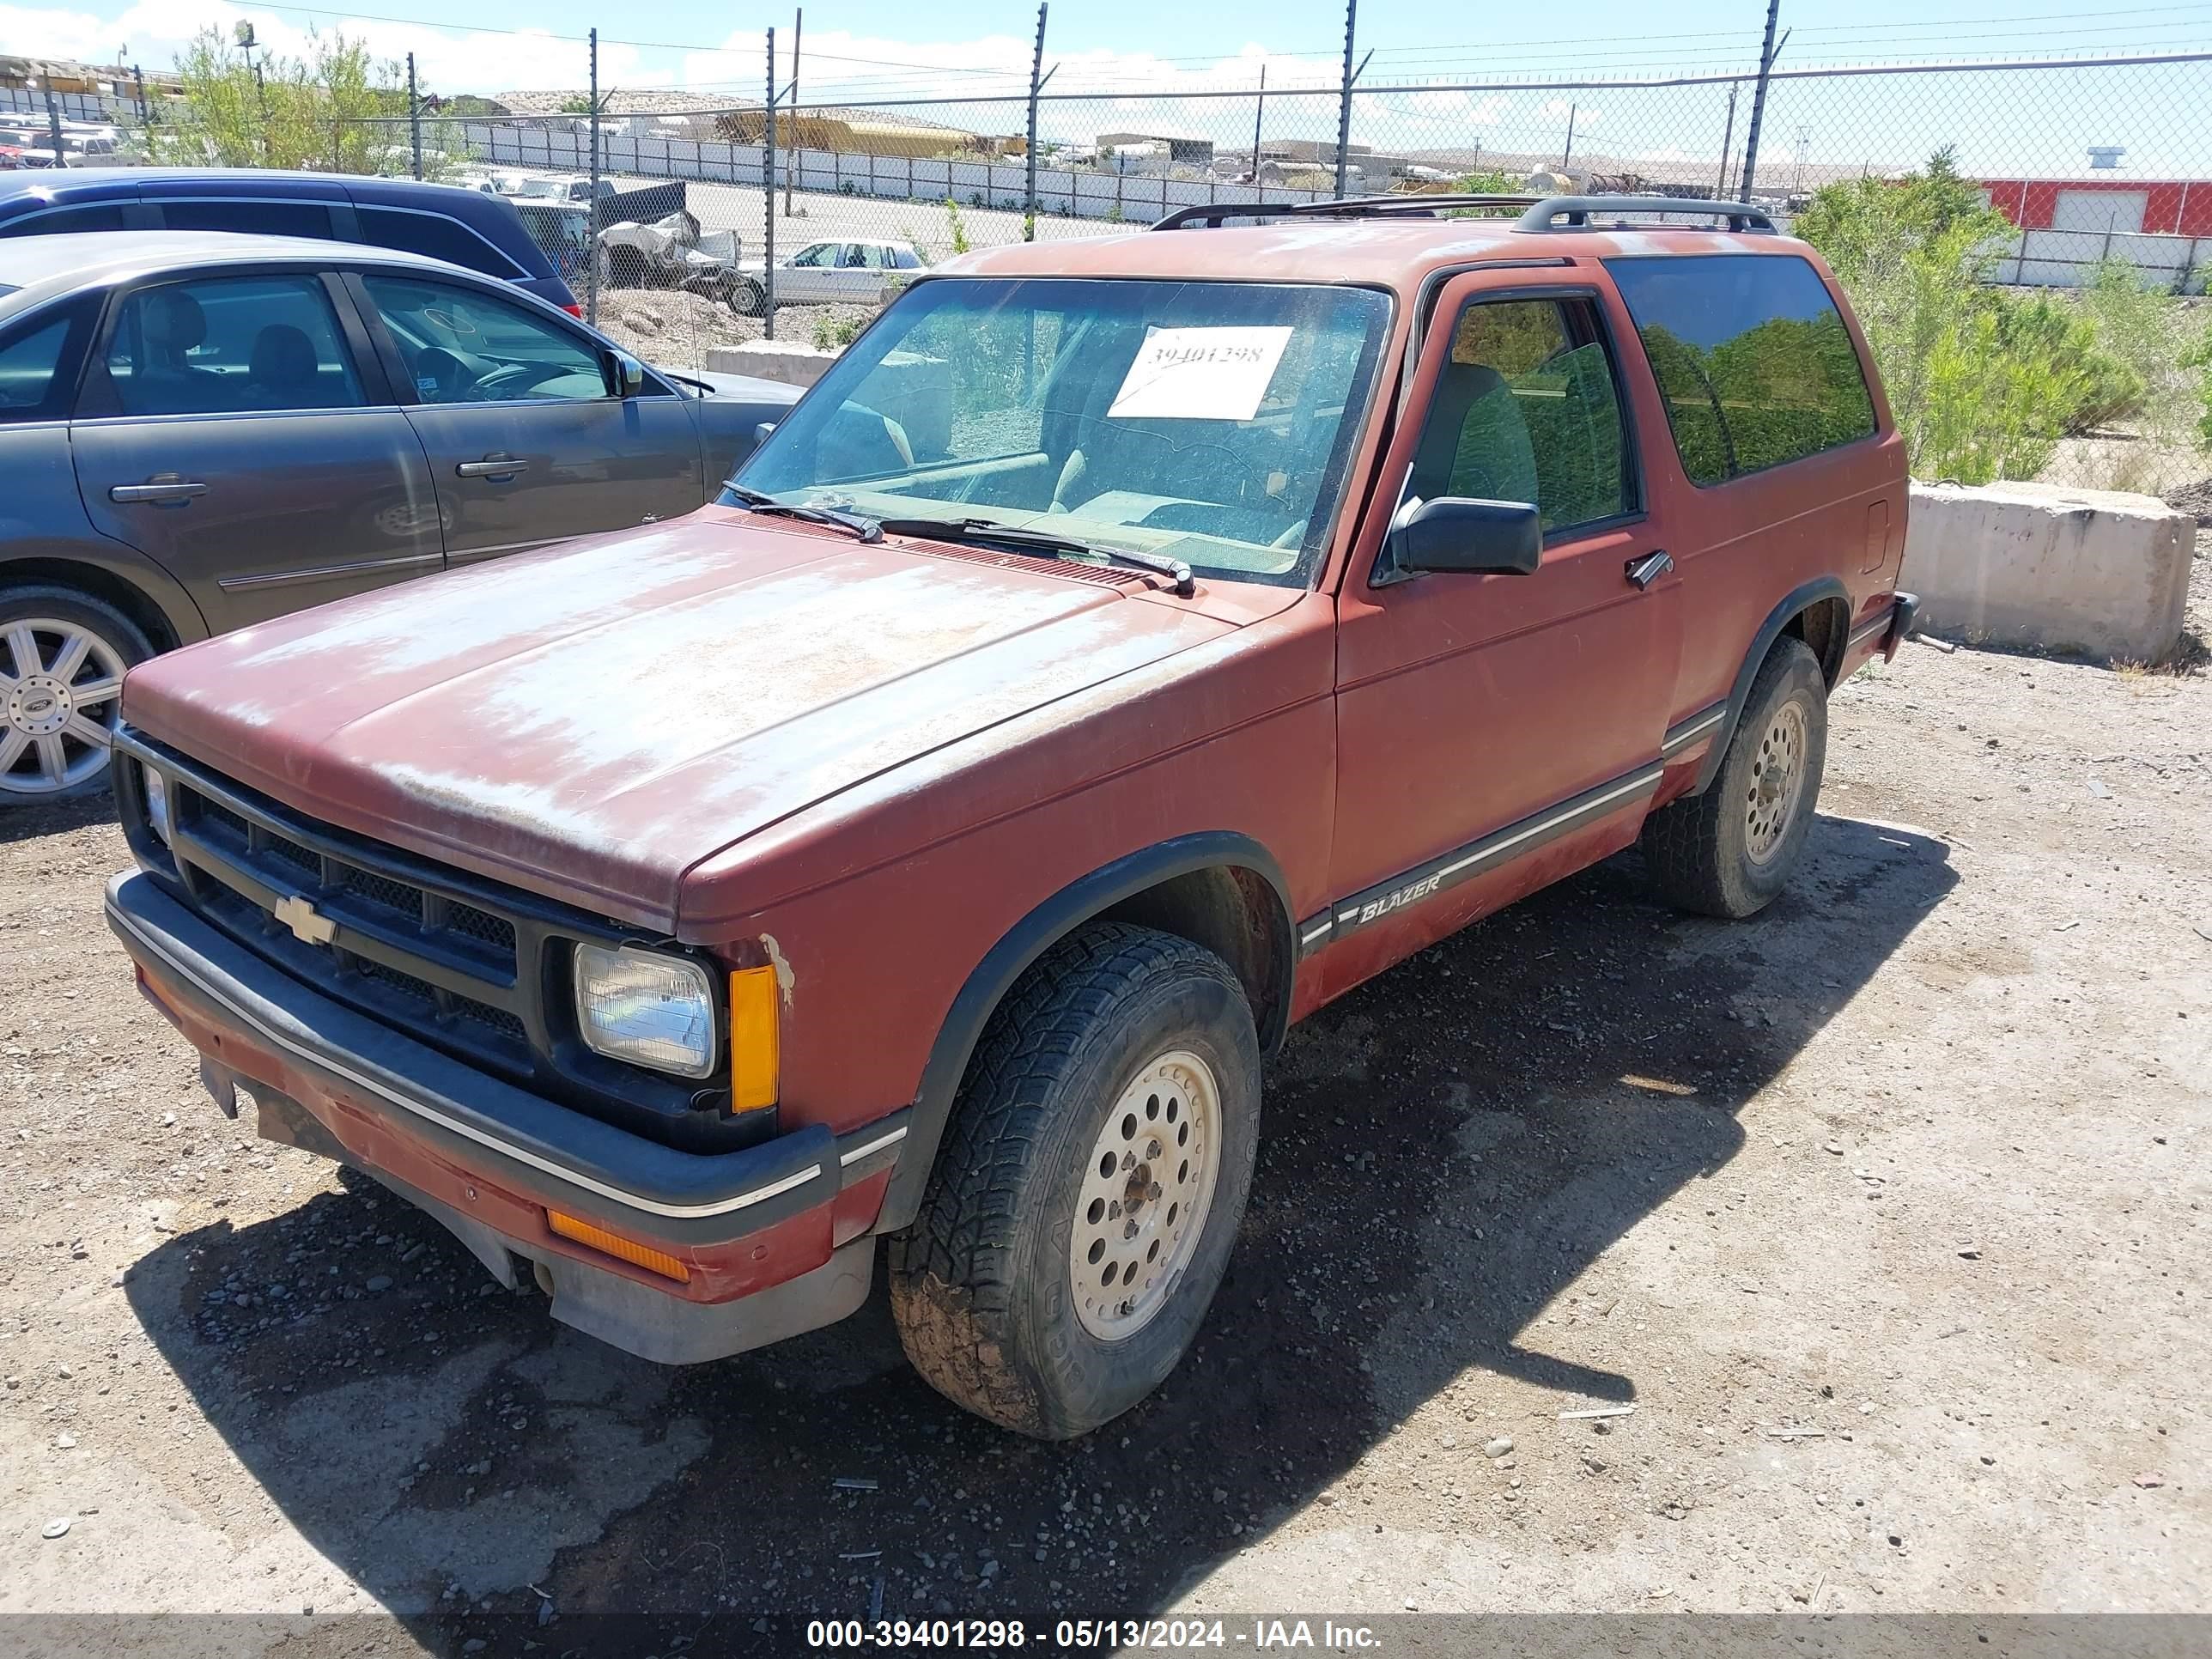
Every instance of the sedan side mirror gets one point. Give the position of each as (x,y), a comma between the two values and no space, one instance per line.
(630,375)
(1475,537)
(761,432)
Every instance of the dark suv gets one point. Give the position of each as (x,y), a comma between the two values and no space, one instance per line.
(467,227)
(1128,645)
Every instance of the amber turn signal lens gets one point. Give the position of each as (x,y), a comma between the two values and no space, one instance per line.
(754,1003)
(638,1255)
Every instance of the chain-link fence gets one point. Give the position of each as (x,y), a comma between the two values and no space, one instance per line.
(688,218)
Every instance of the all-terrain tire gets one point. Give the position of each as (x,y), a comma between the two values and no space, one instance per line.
(54,614)
(981,1284)
(1705,852)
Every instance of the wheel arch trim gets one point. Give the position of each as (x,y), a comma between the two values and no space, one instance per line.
(1083,900)
(1799,601)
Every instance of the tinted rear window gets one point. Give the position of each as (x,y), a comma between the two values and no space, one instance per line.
(1752,358)
(437,236)
(249,216)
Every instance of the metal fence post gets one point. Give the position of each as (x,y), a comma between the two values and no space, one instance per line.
(414,116)
(767,200)
(138,76)
(1759,103)
(591,219)
(791,167)
(1727,143)
(54,120)
(1344,98)
(1259,117)
(1036,68)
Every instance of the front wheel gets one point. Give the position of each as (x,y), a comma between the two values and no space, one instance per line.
(1730,851)
(1089,1185)
(748,298)
(63,655)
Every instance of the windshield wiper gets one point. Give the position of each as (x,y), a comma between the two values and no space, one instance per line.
(861,525)
(1045,542)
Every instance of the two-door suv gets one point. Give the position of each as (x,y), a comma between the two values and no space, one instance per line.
(1128,645)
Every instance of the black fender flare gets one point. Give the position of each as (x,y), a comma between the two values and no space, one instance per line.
(1800,599)
(1031,937)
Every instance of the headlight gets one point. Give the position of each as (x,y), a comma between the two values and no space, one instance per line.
(647,1008)
(157,802)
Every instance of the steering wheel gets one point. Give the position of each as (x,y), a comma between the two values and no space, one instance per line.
(445,373)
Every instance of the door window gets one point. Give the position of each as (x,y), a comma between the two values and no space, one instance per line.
(1751,357)
(463,347)
(229,345)
(258,215)
(814,257)
(854,258)
(873,255)
(1527,409)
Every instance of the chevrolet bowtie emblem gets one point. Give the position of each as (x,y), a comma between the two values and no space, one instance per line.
(308,925)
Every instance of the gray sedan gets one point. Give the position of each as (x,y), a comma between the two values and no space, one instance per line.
(202,431)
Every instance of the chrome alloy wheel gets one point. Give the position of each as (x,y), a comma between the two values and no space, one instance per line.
(1777,781)
(1142,1208)
(59,693)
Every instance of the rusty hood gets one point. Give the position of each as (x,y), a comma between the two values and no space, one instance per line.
(591,721)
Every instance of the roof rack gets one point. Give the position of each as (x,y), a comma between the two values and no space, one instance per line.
(1538,214)
(1344,207)
(1544,215)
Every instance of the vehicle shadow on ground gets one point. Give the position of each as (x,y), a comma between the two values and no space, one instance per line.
(28,822)
(1445,1152)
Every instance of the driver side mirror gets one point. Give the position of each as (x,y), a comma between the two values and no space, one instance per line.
(630,375)
(1474,538)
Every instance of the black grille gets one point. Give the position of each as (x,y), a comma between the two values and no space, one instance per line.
(386,926)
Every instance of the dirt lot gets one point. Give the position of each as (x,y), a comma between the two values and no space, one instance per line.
(1886,1212)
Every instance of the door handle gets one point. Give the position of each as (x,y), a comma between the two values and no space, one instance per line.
(496,467)
(162,490)
(1648,570)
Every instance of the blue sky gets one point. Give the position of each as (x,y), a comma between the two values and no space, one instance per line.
(873,51)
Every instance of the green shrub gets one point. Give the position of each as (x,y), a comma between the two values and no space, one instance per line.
(835,334)
(955,227)
(1984,382)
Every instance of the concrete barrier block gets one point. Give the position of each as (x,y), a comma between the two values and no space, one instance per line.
(786,360)
(2046,568)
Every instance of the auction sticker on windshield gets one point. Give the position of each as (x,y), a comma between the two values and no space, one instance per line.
(1200,373)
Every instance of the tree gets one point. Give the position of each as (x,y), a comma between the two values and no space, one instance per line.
(337,109)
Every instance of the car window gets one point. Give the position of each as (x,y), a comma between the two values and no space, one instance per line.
(818,254)
(91,215)
(872,255)
(855,256)
(254,215)
(1751,357)
(1526,410)
(230,345)
(463,347)
(1211,421)
(28,365)
(436,236)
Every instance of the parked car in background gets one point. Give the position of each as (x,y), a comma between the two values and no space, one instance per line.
(563,187)
(819,273)
(441,222)
(200,431)
(1127,646)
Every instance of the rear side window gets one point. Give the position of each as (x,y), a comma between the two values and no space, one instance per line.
(255,215)
(229,345)
(93,215)
(1751,357)
(436,236)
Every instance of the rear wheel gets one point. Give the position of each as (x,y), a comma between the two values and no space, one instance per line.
(748,298)
(1730,851)
(63,655)
(1090,1186)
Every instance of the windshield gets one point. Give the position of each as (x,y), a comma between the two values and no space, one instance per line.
(1206,421)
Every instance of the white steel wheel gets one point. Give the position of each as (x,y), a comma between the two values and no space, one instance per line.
(61,688)
(1145,1193)
(1777,779)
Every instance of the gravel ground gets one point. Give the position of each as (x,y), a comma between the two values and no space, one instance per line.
(1885,1214)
